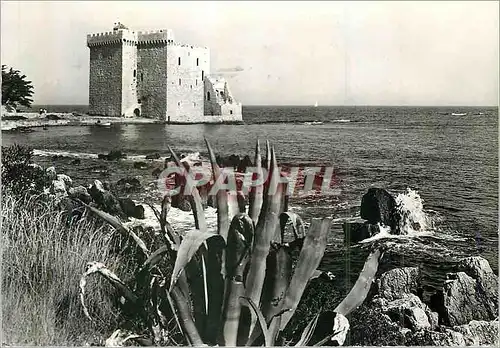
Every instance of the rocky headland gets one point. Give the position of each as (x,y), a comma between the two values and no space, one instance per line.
(424,303)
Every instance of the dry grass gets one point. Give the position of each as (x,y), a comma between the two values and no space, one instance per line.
(43,259)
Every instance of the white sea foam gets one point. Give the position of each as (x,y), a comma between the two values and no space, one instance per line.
(195,156)
(47,153)
(181,221)
(414,219)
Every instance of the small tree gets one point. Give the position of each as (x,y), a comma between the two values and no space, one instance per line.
(16,90)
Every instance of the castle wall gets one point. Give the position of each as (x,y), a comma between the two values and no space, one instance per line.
(148,74)
(105,80)
(185,86)
(219,100)
(152,72)
(129,77)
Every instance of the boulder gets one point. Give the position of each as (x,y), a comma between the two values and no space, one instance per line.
(58,187)
(244,163)
(130,209)
(370,327)
(156,173)
(80,193)
(465,299)
(445,337)
(128,184)
(155,155)
(408,311)
(379,206)
(398,282)
(67,180)
(113,155)
(51,173)
(480,333)
(140,165)
(105,200)
(355,232)
(53,117)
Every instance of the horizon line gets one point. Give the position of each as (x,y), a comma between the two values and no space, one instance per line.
(326,105)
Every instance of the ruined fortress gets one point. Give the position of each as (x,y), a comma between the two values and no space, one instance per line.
(149,74)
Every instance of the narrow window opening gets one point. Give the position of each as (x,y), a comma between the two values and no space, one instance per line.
(142,77)
(191,86)
(197,61)
(194,104)
(180,82)
(208,95)
(178,103)
(135,73)
(202,75)
(179,61)
(196,82)
(231,112)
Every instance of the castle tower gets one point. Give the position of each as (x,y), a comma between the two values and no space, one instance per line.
(113,73)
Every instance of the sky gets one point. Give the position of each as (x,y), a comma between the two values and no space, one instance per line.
(279,53)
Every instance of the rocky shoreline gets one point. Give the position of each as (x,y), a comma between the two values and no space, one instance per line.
(407,305)
(25,121)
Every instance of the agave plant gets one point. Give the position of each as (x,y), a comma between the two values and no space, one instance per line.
(237,285)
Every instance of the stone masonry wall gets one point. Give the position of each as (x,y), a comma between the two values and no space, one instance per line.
(185,88)
(219,100)
(129,79)
(152,80)
(105,80)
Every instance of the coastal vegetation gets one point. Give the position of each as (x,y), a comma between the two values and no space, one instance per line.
(16,89)
(75,273)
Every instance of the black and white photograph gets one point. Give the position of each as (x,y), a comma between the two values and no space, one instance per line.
(249,173)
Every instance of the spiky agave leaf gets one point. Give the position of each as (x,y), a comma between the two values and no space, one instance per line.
(308,331)
(362,286)
(100,268)
(310,256)
(194,196)
(189,246)
(245,301)
(278,275)
(214,282)
(221,196)
(239,243)
(264,233)
(256,193)
(120,227)
(185,317)
(119,338)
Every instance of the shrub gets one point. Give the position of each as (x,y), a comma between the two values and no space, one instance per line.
(19,174)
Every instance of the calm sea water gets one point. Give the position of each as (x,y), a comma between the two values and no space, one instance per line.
(450,160)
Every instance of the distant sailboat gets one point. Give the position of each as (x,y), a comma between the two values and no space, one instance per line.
(316,104)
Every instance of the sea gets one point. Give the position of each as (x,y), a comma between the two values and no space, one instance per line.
(440,162)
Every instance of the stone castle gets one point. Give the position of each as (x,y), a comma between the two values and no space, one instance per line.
(149,74)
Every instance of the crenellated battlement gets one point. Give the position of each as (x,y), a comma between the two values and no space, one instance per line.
(155,37)
(111,38)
